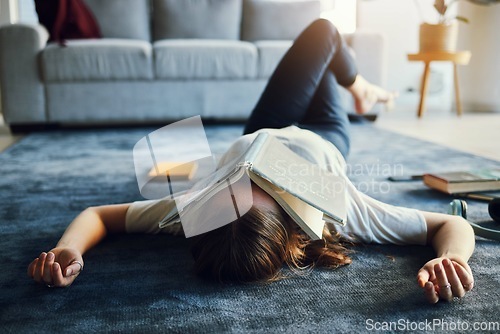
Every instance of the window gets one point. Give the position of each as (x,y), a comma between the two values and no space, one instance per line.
(342,13)
(26,11)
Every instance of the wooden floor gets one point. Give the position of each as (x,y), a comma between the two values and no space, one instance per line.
(477,133)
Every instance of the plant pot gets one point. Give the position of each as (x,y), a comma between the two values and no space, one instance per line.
(438,37)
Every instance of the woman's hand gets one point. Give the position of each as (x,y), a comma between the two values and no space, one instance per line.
(59,267)
(445,278)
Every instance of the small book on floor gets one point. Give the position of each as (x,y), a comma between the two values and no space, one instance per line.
(464,182)
(174,170)
(309,194)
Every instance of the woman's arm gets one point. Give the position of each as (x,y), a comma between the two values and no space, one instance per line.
(448,275)
(61,265)
(92,225)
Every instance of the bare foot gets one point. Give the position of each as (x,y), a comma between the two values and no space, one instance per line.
(366,95)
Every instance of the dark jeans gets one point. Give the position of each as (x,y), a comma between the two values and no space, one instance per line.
(304,88)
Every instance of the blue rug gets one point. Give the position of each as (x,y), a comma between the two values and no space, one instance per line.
(145,283)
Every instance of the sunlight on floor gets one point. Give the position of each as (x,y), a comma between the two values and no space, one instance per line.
(476,133)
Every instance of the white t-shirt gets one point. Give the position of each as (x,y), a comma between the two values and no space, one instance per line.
(368,220)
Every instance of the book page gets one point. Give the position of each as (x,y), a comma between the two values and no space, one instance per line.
(214,210)
(209,184)
(288,171)
(214,201)
(306,216)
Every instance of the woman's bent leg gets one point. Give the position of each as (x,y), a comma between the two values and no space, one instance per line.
(291,88)
(326,115)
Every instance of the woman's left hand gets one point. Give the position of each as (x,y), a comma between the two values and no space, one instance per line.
(444,278)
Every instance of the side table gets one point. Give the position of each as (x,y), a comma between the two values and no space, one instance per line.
(457,58)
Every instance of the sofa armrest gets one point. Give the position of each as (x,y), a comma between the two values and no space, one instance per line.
(22,92)
(370,53)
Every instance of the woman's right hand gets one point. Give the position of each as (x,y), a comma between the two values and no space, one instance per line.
(59,267)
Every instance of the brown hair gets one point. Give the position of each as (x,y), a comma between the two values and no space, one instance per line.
(257,245)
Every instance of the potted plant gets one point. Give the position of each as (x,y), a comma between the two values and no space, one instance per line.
(443,36)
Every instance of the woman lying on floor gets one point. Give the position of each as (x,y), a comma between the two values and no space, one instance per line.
(301,107)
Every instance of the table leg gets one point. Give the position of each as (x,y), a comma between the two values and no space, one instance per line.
(423,89)
(457,90)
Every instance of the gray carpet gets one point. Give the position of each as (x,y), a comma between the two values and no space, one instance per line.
(145,283)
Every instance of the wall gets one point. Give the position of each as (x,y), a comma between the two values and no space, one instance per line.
(480,80)
(398,21)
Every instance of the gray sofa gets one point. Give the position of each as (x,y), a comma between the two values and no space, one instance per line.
(158,61)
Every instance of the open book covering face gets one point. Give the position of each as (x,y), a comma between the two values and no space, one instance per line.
(210,198)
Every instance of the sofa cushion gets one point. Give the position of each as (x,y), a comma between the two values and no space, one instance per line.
(215,19)
(97,59)
(204,59)
(122,18)
(277,20)
(270,54)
